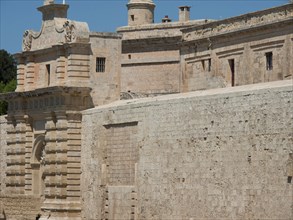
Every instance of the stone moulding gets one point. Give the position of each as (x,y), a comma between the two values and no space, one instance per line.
(43,91)
(48,98)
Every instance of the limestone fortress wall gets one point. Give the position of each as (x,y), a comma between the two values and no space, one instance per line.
(73,148)
(215,154)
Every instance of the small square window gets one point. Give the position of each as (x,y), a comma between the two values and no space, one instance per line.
(132,17)
(100,64)
(269,61)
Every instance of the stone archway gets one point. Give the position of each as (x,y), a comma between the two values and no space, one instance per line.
(37,165)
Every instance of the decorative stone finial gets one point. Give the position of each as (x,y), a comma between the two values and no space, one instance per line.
(48,2)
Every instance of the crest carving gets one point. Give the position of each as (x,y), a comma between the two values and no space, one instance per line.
(69,31)
(27,41)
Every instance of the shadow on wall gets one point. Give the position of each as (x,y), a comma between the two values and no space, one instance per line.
(3,215)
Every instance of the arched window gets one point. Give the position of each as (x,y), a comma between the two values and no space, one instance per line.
(37,165)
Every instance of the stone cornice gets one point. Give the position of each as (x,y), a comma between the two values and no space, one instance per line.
(107,35)
(163,26)
(45,91)
(195,37)
(53,48)
(245,22)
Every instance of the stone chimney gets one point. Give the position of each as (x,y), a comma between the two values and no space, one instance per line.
(184,13)
(50,10)
(166,19)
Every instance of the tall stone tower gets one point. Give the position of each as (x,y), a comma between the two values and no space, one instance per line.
(140,12)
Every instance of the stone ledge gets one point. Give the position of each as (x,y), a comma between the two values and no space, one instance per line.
(246,89)
(44,91)
(106,35)
(170,25)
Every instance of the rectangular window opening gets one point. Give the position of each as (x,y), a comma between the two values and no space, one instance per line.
(48,73)
(203,65)
(132,17)
(100,64)
(232,71)
(269,61)
(209,65)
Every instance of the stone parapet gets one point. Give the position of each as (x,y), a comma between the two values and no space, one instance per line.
(170,29)
(250,21)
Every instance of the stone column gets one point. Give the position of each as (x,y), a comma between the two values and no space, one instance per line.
(74,160)
(10,145)
(20,74)
(55,164)
(78,65)
(61,151)
(60,70)
(15,181)
(28,153)
(30,73)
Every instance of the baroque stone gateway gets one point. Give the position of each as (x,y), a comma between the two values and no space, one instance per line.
(188,119)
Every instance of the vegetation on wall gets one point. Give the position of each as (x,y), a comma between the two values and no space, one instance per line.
(7,77)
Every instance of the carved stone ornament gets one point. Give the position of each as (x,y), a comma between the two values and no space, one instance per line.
(27,41)
(69,31)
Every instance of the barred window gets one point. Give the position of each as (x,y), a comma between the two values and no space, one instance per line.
(100,64)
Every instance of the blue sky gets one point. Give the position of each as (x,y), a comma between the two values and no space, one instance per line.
(106,15)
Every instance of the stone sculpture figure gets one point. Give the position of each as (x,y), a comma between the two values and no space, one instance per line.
(27,41)
(69,31)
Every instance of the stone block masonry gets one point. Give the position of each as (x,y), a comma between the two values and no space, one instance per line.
(2,161)
(20,207)
(216,154)
(3,136)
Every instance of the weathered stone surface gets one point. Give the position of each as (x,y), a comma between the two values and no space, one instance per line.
(3,144)
(221,153)
(20,207)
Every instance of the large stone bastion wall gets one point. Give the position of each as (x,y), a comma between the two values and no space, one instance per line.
(217,154)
